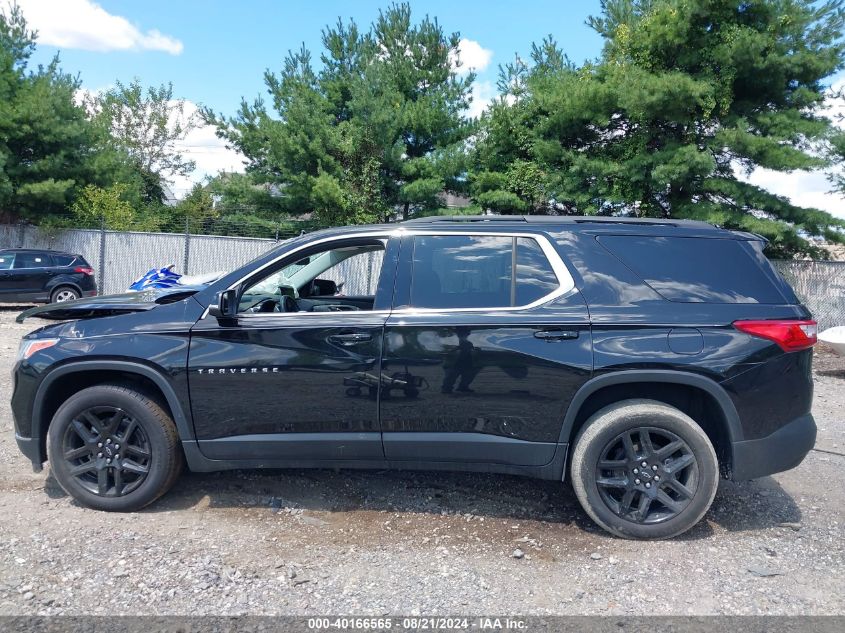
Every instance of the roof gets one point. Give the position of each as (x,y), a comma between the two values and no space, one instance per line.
(38,250)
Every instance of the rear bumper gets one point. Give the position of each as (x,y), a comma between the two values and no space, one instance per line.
(782,450)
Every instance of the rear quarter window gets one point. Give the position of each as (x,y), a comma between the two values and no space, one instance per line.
(699,270)
(63,260)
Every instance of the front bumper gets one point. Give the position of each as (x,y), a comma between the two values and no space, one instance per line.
(30,447)
(782,450)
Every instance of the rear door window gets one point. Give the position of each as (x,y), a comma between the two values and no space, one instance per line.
(33,260)
(6,261)
(698,270)
(479,271)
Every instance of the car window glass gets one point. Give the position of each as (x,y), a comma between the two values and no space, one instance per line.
(462,271)
(338,279)
(701,270)
(6,261)
(62,260)
(357,275)
(535,277)
(476,271)
(32,260)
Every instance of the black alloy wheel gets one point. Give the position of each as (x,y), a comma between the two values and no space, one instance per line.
(647,475)
(107,451)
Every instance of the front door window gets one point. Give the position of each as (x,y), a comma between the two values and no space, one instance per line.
(341,278)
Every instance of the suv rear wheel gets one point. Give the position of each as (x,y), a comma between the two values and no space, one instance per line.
(113,448)
(644,470)
(64,293)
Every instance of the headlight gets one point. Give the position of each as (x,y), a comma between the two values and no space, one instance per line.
(29,346)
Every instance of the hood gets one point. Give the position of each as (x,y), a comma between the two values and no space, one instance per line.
(110,305)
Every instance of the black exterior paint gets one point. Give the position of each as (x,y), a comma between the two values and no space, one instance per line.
(283,374)
(477,389)
(37,283)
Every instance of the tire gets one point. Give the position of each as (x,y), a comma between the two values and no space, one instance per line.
(64,293)
(118,431)
(678,482)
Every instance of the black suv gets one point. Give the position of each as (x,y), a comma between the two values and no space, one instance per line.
(639,358)
(36,276)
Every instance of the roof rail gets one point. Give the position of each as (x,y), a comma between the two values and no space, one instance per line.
(560,219)
(466,218)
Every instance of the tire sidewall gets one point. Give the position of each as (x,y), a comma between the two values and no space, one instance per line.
(141,409)
(609,423)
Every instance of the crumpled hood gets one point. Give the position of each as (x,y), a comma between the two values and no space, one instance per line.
(110,305)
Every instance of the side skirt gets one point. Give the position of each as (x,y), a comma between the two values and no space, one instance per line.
(199,462)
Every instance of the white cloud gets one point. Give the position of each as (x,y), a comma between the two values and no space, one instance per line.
(86,25)
(802,188)
(473,56)
(483,92)
(209,152)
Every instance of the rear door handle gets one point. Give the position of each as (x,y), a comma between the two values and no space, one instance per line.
(556,335)
(351,339)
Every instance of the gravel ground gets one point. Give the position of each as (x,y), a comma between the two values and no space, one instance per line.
(373,543)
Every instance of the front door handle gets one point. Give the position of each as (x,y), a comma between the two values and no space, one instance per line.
(556,335)
(351,339)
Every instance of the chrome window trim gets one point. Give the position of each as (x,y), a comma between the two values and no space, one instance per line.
(566,283)
(336,238)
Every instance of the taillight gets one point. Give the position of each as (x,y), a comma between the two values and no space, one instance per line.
(84,269)
(792,335)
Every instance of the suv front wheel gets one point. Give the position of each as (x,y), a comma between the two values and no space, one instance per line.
(113,448)
(644,470)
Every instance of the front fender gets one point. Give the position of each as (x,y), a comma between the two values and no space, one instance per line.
(40,423)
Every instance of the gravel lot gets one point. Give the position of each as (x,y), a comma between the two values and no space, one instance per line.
(373,543)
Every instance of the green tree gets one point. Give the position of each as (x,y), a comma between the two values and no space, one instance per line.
(147,125)
(47,146)
(97,206)
(687,98)
(380,127)
(196,209)
(237,193)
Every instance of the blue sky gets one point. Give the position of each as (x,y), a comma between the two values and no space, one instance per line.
(227,46)
(216,51)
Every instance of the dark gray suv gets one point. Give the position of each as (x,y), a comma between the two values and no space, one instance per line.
(42,276)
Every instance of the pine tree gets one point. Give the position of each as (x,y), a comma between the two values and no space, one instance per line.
(48,149)
(688,97)
(379,128)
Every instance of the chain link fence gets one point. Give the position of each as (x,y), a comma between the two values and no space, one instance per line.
(120,257)
(820,285)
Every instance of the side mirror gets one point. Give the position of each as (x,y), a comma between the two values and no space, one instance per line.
(225,305)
